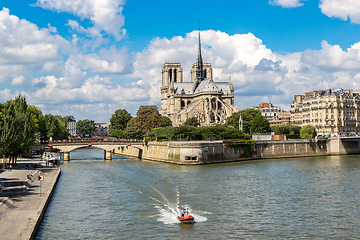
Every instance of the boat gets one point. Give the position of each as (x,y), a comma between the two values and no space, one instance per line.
(51,157)
(186,219)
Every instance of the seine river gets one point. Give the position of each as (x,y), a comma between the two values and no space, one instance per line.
(311,198)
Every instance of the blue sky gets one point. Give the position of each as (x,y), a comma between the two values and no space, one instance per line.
(88,58)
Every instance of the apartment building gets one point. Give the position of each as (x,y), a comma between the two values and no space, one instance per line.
(331,112)
(273,114)
(71,126)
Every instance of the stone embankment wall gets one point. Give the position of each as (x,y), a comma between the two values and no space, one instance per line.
(206,152)
(291,148)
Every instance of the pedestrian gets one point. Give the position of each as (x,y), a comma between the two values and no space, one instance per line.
(10,167)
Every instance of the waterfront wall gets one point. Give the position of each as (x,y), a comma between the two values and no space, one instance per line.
(206,152)
(291,148)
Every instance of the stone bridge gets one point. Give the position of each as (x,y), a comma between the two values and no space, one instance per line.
(108,147)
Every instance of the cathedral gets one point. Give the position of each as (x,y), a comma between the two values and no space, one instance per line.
(210,102)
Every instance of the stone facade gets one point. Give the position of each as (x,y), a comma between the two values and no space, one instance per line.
(331,112)
(275,115)
(71,126)
(210,102)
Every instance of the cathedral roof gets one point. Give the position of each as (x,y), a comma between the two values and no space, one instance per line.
(207,85)
(184,88)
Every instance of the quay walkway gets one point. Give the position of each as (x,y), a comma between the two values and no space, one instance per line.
(23,202)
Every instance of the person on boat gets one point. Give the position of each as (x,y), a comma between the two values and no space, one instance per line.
(187,212)
(182,212)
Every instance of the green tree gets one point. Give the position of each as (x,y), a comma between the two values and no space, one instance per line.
(86,126)
(260,125)
(248,115)
(63,125)
(38,119)
(133,133)
(52,126)
(119,119)
(193,121)
(165,121)
(117,133)
(17,129)
(233,120)
(9,133)
(293,129)
(152,121)
(2,110)
(308,131)
(142,114)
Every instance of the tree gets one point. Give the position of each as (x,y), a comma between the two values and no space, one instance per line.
(165,121)
(233,120)
(133,133)
(17,129)
(119,119)
(248,115)
(38,119)
(86,126)
(152,121)
(193,121)
(260,125)
(63,127)
(308,131)
(285,129)
(52,126)
(117,133)
(293,129)
(142,114)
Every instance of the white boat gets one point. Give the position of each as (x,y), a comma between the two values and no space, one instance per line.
(51,157)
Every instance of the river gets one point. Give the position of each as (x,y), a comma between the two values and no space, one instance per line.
(126,198)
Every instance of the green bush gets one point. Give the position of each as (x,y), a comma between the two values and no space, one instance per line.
(293,136)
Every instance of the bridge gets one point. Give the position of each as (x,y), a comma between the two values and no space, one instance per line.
(350,139)
(107,146)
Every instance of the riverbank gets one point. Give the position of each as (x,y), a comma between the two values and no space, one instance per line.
(23,202)
(208,152)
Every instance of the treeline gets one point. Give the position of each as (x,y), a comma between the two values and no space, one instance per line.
(21,124)
(196,133)
(123,125)
(149,123)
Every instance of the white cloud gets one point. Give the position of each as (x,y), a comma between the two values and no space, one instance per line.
(287,3)
(22,42)
(25,49)
(106,15)
(258,74)
(333,58)
(343,9)
(19,80)
(94,85)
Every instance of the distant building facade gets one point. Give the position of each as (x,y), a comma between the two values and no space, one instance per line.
(331,112)
(210,102)
(275,115)
(71,126)
(102,130)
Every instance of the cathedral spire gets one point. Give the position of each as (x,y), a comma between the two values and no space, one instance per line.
(199,63)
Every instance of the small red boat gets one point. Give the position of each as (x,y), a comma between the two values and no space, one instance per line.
(186,219)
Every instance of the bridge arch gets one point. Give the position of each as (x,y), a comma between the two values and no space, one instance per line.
(108,146)
(67,148)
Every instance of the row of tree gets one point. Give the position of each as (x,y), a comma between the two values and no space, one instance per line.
(148,120)
(123,125)
(21,124)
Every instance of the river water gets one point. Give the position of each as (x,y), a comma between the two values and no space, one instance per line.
(126,198)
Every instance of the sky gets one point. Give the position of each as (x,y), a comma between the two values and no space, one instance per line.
(88,58)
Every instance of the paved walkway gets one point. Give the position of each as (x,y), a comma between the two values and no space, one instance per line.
(24,202)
